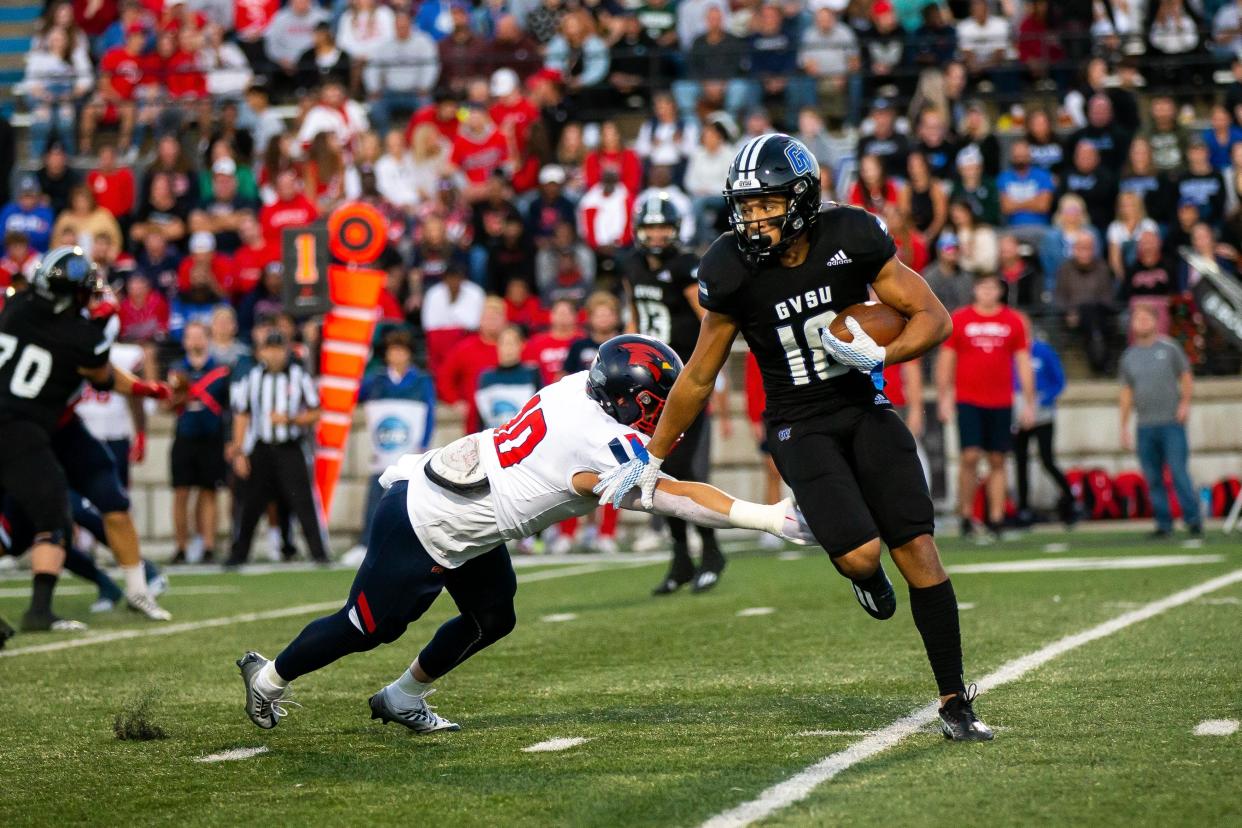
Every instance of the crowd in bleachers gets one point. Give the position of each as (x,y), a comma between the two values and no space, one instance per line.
(1073,148)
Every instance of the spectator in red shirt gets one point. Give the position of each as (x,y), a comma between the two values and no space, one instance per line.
(113,186)
(203,253)
(250,21)
(143,312)
(975,368)
(522,307)
(479,150)
(19,259)
(613,155)
(458,378)
(911,246)
(515,115)
(441,113)
(95,16)
(120,72)
(184,79)
(291,208)
(874,190)
(549,349)
(252,257)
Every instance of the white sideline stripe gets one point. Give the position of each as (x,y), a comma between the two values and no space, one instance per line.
(24,592)
(558,617)
(1217,727)
(799,787)
(835,733)
(267,615)
(550,745)
(1052,548)
(1227,600)
(1080,564)
(233,755)
(750,612)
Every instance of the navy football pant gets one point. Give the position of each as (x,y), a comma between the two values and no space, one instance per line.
(397,582)
(90,467)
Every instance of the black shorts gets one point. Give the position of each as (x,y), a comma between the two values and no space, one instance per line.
(693,455)
(989,429)
(856,476)
(198,463)
(398,581)
(33,478)
(89,467)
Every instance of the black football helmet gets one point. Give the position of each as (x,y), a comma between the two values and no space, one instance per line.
(657,210)
(631,377)
(772,164)
(66,279)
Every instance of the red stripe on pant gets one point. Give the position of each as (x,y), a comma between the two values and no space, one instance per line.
(365,610)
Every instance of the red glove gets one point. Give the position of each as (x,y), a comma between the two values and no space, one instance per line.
(104,305)
(156,390)
(138,449)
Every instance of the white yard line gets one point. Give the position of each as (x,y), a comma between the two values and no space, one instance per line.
(559,617)
(1217,727)
(551,745)
(233,755)
(800,786)
(750,612)
(834,733)
(1081,564)
(24,592)
(267,615)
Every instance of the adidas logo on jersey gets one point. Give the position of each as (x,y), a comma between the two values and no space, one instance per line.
(839,258)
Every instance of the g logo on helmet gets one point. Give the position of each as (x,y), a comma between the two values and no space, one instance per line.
(800,160)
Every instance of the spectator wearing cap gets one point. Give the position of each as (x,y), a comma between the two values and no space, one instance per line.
(223,213)
(400,73)
(480,150)
(883,47)
(945,276)
(288,36)
(275,405)
(716,67)
(56,78)
(87,219)
(451,310)
(143,311)
(198,299)
(1026,193)
(161,210)
(1201,184)
(458,376)
(549,207)
(56,177)
(121,70)
(516,116)
(264,300)
(1157,386)
(290,209)
(975,187)
(203,252)
(707,166)
(158,261)
(579,55)
(885,142)
(1084,296)
(829,53)
(460,52)
(399,401)
(28,215)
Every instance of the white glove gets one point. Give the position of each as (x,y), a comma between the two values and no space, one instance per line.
(861,354)
(795,529)
(613,486)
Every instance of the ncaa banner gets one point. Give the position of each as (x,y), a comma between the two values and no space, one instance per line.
(394,428)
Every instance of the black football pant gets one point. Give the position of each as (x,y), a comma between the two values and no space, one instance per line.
(397,582)
(278,472)
(690,460)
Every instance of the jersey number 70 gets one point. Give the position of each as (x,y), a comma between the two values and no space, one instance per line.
(516,439)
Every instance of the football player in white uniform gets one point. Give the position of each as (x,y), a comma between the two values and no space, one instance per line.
(447,514)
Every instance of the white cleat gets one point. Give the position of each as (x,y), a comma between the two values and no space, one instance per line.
(354,557)
(157,586)
(420,718)
(103,605)
(264,710)
(649,541)
(146,606)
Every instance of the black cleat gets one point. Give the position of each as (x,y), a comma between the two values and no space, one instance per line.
(880,601)
(671,583)
(6,632)
(958,721)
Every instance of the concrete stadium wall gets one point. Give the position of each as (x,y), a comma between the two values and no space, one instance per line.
(1087,435)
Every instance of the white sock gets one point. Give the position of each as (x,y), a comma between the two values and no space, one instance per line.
(268,681)
(135,580)
(407,687)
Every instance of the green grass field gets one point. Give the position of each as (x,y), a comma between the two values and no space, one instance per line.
(690,709)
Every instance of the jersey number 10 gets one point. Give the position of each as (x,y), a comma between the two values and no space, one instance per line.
(33,367)
(796,353)
(516,439)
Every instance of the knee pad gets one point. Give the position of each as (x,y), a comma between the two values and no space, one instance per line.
(496,622)
(110,498)
(55,536)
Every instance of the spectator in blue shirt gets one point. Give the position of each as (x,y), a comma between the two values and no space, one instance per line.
(399,401)
(1221,136)
(1025,195)
(196,304)
(774,60)
(198,449)
(1049,383)
(28,215)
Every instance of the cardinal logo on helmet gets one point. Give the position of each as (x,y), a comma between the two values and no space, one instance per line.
(647,356)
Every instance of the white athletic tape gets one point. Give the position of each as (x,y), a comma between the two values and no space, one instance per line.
(800,786)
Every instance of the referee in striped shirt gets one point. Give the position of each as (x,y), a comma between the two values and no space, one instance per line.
(275,403)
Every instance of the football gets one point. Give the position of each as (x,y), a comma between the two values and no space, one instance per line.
(881,322)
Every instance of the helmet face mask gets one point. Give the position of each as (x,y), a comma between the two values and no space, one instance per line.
(657,223)
(657,239)
(771,168)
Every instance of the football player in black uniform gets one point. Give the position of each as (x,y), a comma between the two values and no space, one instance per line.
(48,348)
(661,286)
(779,278)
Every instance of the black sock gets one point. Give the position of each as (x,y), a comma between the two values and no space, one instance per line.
(41,596)
(713,559)
(677,528)
(935,614)
(682,564)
